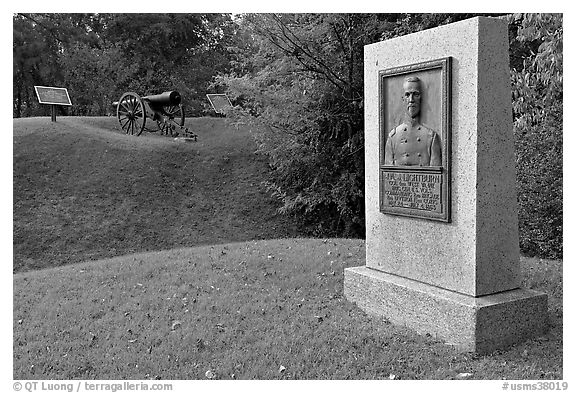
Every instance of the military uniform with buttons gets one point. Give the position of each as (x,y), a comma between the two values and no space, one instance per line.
(415,145)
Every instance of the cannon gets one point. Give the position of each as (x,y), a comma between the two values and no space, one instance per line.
(165,109)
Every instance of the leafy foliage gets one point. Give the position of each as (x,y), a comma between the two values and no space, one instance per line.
(88,72)
(304,93)
(298,80)
(537,86)
(34,61)
(100,56)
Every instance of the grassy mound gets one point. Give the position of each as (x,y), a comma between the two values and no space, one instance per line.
(84,190)
(216,302)
(270,309)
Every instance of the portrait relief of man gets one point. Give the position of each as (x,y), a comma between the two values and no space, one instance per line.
(412,143)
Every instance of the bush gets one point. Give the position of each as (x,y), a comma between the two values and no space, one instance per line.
(537,85)
(301,88)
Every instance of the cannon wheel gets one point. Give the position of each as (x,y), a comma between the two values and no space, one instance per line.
(175,114)
(131,113)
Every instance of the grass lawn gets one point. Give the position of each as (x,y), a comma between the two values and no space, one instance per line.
(84,190)
(270,309)
(147,258)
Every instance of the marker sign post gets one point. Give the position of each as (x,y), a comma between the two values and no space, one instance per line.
(53,96)
(219,102)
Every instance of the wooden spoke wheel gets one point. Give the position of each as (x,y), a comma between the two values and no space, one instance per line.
(131,114)
(173,115)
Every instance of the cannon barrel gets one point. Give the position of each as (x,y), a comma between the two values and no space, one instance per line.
(166,98)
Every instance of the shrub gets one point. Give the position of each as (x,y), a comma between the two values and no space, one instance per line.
(537,86)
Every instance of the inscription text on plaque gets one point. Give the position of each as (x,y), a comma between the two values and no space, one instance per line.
(413,190)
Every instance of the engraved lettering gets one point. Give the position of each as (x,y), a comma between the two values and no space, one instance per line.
(413,191)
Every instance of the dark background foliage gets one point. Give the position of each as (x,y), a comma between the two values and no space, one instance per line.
(298,79)
(537,100)
(100,56)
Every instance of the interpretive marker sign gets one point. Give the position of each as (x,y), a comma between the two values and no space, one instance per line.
(415,140)
(52,95)
(220,102)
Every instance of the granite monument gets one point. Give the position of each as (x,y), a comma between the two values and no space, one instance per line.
(442,250)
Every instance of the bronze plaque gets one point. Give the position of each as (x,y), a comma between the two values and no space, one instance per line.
(415,136)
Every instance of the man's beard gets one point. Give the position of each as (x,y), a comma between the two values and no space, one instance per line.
(413,111)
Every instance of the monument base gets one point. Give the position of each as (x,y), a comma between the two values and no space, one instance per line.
(476,324)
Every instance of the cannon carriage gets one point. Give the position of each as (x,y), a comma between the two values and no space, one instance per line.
(165,109)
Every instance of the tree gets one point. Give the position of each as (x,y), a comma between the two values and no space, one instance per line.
(92,76)
(39,41)
(537,87)
(303,92)
(170,52)
(100,56)
(34,60)
(304,95)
